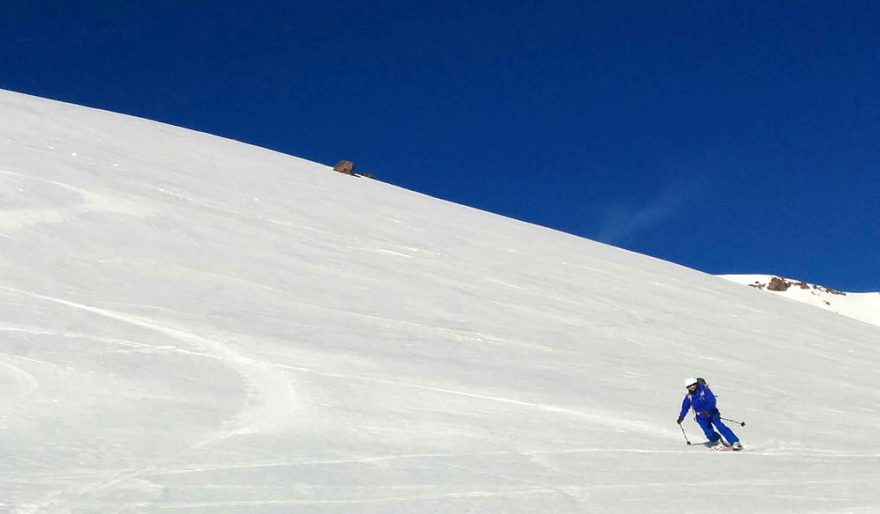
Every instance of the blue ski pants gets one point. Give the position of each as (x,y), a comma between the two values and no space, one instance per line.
(706,423)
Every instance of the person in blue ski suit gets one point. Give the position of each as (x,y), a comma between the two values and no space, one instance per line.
(700,398)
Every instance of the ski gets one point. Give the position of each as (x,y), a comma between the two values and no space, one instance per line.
(720,446)
(717,446)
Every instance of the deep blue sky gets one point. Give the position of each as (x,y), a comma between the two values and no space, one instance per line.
(732,137)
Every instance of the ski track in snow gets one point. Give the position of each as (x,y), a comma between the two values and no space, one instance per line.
(385,500)
(246,367)
(25,381)
(265,384)
(270,394)
(16,219)
(748,453)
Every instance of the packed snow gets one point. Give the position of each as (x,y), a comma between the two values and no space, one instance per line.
(861,306)
(192,324)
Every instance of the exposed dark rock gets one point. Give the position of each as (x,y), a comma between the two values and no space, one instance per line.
(346,167)
(778,284)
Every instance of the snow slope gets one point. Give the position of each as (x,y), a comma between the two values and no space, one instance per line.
(191,324)
(861,306)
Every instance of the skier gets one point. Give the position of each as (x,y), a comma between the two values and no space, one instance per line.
(700,397)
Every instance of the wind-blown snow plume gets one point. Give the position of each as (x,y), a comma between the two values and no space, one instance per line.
(624,222)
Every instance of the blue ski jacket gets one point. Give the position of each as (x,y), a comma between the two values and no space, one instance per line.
(703,402)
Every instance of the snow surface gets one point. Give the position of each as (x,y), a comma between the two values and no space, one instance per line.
(191,324)
(861,306)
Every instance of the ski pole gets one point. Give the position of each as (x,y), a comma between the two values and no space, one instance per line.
(685,435)
(740,423)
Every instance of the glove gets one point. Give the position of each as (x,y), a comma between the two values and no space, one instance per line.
(679,420)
